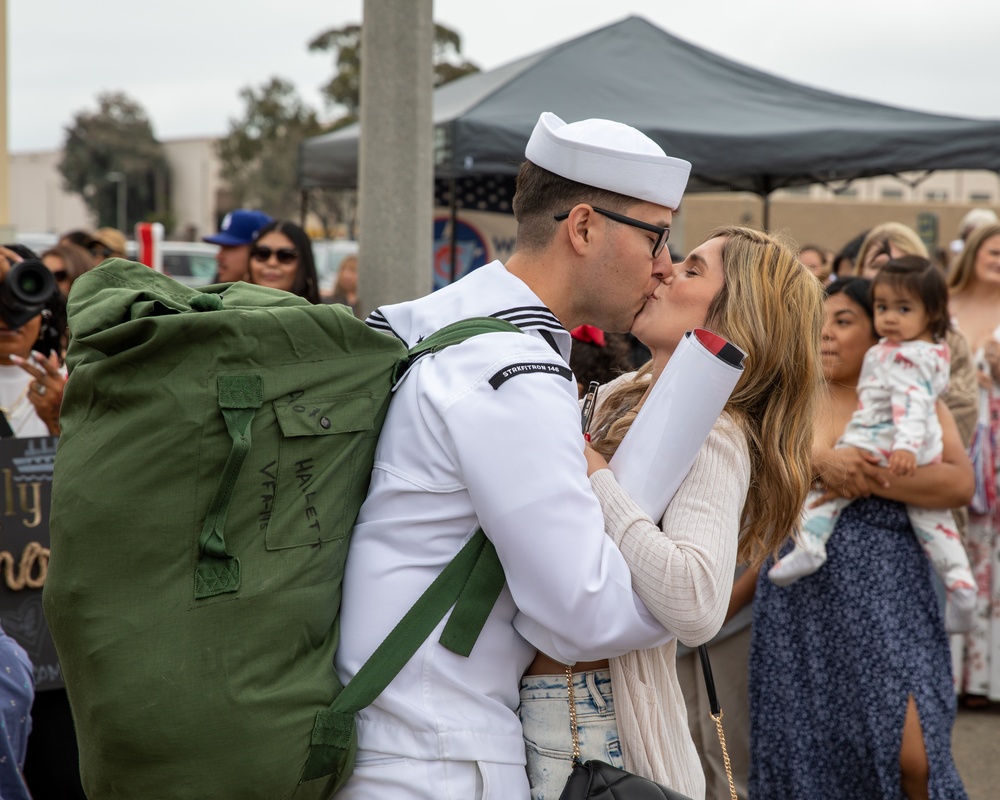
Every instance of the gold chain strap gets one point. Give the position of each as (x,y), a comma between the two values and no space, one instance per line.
(725,753)
(576,734)
(572,716)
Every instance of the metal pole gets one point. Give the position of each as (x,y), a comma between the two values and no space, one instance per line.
(5,220)
(119,178)
(396,169)
(122,200)
(454,228)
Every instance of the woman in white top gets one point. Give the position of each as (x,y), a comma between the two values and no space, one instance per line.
(31,389)
(31,376)
(745,488)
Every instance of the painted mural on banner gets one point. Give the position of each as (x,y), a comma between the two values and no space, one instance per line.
(26,480)
(480,237)
(484,226)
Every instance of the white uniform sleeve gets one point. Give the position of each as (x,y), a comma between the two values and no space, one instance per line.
(521,454)
(911,376)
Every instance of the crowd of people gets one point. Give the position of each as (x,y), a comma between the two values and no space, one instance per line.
(838,524)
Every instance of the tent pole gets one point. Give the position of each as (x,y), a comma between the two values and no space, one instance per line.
(454,227)
(766,212)
(303,206)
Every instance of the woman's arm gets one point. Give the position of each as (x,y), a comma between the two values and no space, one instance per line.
(842,471)
(684,571)
(744,589)
(847,471)
(949,484)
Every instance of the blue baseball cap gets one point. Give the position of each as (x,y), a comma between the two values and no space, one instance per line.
(239,227)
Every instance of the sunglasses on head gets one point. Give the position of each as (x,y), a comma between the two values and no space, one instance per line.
(285,255)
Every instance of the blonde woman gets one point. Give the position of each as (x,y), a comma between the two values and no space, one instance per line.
(884,242)
(742,495)
(974,284)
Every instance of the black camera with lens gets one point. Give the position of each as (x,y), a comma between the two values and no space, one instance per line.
(24,291)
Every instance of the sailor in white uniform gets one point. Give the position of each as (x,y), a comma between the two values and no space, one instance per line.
(487,433)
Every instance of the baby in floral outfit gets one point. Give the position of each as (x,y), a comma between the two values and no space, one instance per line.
(896,419)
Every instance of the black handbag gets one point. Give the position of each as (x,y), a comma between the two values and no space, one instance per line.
(598,780)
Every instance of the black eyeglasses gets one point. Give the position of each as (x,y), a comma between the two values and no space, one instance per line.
(285,255)
(662,234)
(101,251)
(60,274)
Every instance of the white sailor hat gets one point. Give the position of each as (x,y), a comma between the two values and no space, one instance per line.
(608,155)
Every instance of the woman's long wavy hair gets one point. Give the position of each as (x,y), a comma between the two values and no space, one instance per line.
(771,307)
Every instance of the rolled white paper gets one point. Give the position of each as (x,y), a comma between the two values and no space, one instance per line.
(676,418)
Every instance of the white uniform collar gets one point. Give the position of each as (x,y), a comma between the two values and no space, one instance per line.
(490,291)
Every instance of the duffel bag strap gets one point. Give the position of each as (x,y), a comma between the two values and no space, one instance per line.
(471,583)
(455,333)
(218,572)
(475,603)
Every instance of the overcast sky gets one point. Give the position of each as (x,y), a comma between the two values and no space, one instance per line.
(185,61)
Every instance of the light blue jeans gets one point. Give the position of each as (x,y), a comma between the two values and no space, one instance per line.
(548,742)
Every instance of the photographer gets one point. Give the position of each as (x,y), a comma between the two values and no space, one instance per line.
(32,322)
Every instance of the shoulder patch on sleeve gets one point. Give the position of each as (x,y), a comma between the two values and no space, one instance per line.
(526,368)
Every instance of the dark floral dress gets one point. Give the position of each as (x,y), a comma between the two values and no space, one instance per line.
(833,660)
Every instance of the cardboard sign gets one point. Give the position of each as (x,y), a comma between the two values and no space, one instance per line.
(25,493)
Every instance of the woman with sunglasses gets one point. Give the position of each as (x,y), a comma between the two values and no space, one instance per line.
(281,257)
(67,263)
(31,389)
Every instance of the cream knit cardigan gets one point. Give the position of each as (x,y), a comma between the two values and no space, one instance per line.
(683,571)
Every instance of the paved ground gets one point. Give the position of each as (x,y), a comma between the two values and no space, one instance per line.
(976,745)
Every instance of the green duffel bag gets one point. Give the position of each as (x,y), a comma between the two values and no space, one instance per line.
(216,447)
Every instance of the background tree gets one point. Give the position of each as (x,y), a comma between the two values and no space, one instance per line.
(118,137)
(343,90)
(259,154)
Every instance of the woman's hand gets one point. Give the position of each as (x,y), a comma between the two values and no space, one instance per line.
(847,472)
(7,259)
(595,460)
(947,484)
(46,391)
(744,588)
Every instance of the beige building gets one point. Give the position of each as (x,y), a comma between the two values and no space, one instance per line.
(39,204)
(830,216)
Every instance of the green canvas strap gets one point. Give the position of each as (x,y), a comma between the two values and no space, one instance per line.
(217,571)
(456,333)
(471,582)
(475,602)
